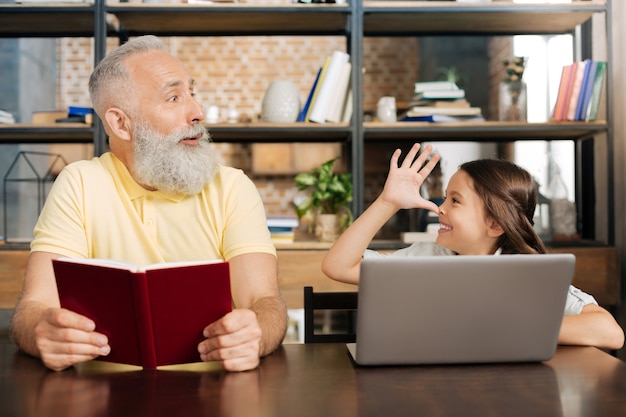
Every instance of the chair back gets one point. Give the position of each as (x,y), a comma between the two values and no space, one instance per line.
(330,303)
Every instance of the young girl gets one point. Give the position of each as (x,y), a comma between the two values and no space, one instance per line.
(488,210)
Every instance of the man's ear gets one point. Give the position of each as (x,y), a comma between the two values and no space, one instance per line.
(495,229)
(119,123)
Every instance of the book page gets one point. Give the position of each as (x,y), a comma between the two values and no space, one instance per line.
(178,264)
(119,264)
(111,263)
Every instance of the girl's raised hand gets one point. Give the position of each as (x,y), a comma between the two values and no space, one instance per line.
(402,187)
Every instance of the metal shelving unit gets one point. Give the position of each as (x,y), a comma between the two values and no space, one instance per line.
(354,21)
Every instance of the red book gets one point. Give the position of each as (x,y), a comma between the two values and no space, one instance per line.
(579,74)
(558,105)
(569,86)
(153,316)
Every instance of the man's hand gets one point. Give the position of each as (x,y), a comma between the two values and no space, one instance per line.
(234,341)
(64,338)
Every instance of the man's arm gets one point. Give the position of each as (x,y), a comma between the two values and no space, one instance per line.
(255,286)
(594,326)
(258,324)
(41,328)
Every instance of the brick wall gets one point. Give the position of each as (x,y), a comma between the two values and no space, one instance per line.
(233,72)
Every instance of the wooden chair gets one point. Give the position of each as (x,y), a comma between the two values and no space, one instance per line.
(329,302)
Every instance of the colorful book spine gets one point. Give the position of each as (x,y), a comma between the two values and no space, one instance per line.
(580,88)
(558,105)
(578,81)
(337,104)
(583,87)
(598,85)
(567,94)
(587,90)
(349,106)
(307,104)
(318,86)
(329,84)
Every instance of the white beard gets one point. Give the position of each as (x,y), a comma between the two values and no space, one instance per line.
(165,164)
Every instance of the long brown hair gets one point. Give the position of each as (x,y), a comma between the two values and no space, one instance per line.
(510,196)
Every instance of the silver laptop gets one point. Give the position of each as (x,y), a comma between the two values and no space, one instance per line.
(460,309)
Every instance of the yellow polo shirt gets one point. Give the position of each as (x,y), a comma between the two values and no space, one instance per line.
(96,210)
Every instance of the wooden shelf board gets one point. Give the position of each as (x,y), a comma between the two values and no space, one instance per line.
(501,18)
(44,20)
(231,19)
(273,132)
(484,131)
(54,133)
(310,132)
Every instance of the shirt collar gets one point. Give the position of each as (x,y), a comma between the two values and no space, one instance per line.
(134,190)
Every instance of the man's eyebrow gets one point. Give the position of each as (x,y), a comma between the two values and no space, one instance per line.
(178,83)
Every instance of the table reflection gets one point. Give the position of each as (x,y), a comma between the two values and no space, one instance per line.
(498,390)
(318,380)
(587,388)
(99,388)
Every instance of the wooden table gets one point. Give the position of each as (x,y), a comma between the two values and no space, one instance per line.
(318,380)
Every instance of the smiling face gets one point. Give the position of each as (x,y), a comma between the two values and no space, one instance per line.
(465,227)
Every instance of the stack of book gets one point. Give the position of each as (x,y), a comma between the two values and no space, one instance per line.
(282,229)
(330,97)
(438,90)
(441,101)
(6,117)
(580,90)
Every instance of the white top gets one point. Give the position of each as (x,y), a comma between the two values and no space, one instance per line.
(576,299)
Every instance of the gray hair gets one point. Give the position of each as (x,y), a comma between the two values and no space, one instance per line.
(110,78)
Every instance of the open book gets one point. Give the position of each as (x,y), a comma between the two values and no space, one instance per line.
(153,316)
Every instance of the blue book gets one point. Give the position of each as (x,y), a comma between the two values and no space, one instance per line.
(79,111)
(587,90)
(583,86)
(282,222)
(594,103)
(443,118)
(307,104)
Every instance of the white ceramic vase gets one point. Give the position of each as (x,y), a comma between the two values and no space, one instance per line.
(281,102)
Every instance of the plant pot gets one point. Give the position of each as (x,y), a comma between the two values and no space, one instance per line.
(327,227)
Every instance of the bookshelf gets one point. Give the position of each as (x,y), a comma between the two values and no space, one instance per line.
(398,18)
(355,21)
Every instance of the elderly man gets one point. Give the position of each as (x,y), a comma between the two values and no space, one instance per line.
(158,196)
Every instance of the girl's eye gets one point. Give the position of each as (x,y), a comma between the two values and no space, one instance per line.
(173,99)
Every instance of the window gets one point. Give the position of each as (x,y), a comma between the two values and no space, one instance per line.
(546,57)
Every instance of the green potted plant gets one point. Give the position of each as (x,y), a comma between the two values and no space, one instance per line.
(328,205)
